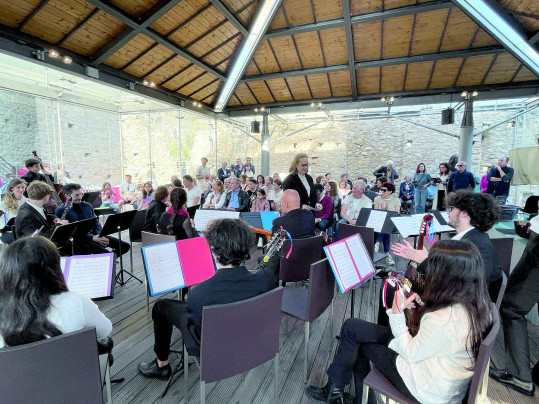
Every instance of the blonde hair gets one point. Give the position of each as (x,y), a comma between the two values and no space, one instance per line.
(9,198)
(38,190)
(293,167)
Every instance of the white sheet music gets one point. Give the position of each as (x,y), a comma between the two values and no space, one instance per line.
(89,276)
(63,264)
(343,265)
(440,227)
(445,215)
(204,216)
(408,225)
(360,256)
(376,220)
(163,267)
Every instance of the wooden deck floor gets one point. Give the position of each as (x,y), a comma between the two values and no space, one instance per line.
(133,337)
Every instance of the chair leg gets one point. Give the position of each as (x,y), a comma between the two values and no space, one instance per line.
(186,374)
(147,294)
(276,378)
(108,384)
(365,398)
(202,392)
(306,366)
(131,255)
(331,335)
(484,384)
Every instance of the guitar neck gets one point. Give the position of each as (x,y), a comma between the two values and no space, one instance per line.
(420,242)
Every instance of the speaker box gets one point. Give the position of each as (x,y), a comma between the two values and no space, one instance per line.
(255,127)
(448,116)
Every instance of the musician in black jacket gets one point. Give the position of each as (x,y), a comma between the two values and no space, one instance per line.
(299,180)
(32,216)
(472,215)
(33,173)
(156,209)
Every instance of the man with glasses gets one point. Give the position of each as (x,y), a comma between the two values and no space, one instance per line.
(461,179)
(499,180)
(472,215)
(300,181)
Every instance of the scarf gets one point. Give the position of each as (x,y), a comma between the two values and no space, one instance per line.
(181,212)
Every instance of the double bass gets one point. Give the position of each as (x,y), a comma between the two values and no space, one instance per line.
(57,196)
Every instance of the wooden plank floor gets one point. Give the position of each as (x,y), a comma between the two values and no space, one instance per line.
(133,337)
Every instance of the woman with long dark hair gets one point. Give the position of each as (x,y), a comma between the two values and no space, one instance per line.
(421,182)
(431,359)
(175,220)
(34,300)
(441,185)
(156,209)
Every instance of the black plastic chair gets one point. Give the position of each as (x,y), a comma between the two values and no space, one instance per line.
(305,252)
(135,231)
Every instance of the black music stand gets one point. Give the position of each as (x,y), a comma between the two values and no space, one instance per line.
(118,223)
(62,235)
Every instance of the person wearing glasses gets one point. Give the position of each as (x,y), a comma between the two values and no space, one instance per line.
(472,215)
(299,180)
(386,201)
(461,179)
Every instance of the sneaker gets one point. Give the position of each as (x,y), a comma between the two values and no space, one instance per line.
(527,388)
(390,260)
(376,246)
(152,369)
(260,243)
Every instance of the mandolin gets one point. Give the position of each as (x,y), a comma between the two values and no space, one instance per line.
(416,278)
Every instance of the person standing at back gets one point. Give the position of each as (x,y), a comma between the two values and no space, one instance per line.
(300,181)
(499,180)
(460,179)
(421,182)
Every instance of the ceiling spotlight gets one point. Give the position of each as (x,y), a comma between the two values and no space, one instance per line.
(475,94)
(256,109)
(319,104)
(383,99)
(146,83)
(262,109)
(312,104)
(67,60)
(464,94)
(53,53)
(387,100)
(152,84)
(391,99)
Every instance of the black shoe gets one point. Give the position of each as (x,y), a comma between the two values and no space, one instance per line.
(527,388)
(151,369)
(318,393)
(329,394)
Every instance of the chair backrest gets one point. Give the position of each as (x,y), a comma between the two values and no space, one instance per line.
(485,350)
(321,288)
(502,291)
(239,336)
(531,204)
(137,225)
(366,233)
(152,238)
(504,248)
(297,266)
(63,369)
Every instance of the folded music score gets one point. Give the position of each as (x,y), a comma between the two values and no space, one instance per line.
(376,220)
(410,225)
(89,275)
(177,264)
(204,216)
(350,262)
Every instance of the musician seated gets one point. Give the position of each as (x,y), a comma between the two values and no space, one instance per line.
(9,207)
(78,210)
(472,215)
(156,209)
(299,223)
(32,216)
(431,358)
(33,174)
(175,220)
(32,265)
(229,241)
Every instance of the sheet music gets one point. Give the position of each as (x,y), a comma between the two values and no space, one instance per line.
(376,220)
(90,275)
(163,267)
(445,215)
(63,264)
(361,256)
(205,216)
(407,225)
(343,265)
(440,227)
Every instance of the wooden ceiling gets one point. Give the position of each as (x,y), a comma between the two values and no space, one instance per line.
(187,46)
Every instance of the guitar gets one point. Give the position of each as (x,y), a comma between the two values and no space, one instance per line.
(57,195)
(273,247)
(397,282)
(416,278)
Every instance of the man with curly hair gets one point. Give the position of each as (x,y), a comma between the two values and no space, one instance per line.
(229,241)
(472,215)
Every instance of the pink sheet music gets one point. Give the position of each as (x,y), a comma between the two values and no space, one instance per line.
(196,259)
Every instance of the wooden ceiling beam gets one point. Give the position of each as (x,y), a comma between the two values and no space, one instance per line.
(70,33)
(350,46)
(229,16)
(145,29)
(32,14)
(488,50)
(356,19)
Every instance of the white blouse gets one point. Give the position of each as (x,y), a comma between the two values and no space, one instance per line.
(8,215)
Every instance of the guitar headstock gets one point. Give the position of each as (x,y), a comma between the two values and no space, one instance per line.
(423,228)
(275,244)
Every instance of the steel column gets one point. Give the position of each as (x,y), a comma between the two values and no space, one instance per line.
(266,136)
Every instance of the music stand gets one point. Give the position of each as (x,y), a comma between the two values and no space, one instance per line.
(118,223)
(64,234)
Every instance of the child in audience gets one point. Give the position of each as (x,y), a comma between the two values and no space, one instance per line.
(147,196)
(260,204)
(107,197)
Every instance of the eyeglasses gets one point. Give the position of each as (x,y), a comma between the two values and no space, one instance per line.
(305,165)
(461,165)
(383,190)
(450,208)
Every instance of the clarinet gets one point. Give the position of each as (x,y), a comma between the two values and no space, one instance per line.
(67,206)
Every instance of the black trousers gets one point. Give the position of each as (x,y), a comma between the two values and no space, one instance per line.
(93,247)
(360,343)
(520,296)
(165,314)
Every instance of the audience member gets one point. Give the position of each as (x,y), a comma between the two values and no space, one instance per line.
(334,194)
(237,199)
(9,207)
(193,192)
(216,198)
(155,209)
(127,192)
(243,182)
(460,179)
(276,176)
(268,184)
(229,241)
(61,176)
(260,182)
(483,182)
(79,210)
(499,180)
(247,170)
(378,183)
(300,181)
(406,192)
(260,204)
(323,210)
(32,216)
(223,172)
(343,191)
(274,196)
(238,168)
(441,185)
(202,173)
(107,197)
(421,182)
(177,183)
(472,215)
(328,177)
(386,201)
(35,302)
(344,177)
(431,358)
(248,161)
(175,220)
(251,190)
(387,171)
(520,296)
(147,196)
(353,203)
